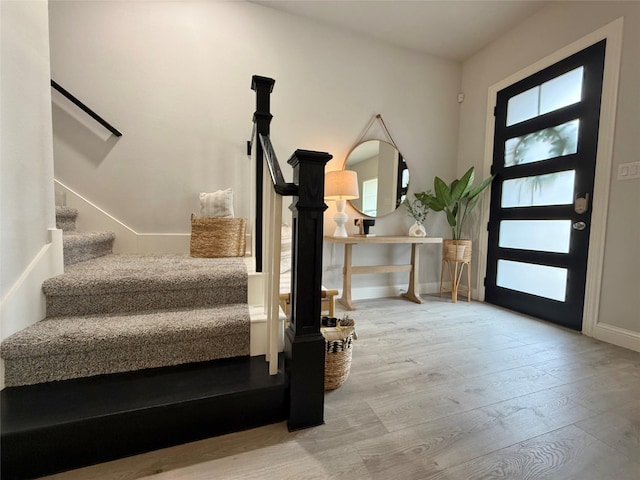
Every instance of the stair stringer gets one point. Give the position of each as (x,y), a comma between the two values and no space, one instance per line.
(24,304)
(93,218)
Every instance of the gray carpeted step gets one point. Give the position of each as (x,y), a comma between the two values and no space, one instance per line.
(66,218)
(80,247)
(136,283)
(73,347)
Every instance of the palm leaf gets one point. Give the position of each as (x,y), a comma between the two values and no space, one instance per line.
(442,191)
(475,191)
(436,204)
(451,218)
(471,203)
(460,189)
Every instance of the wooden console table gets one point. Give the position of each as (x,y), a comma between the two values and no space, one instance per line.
(349,270)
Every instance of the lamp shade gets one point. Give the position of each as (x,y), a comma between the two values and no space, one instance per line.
(341,185)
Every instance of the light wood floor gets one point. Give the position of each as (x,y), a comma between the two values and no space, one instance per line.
(441,391)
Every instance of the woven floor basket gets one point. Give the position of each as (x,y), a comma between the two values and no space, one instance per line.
(337,361)
(218,237)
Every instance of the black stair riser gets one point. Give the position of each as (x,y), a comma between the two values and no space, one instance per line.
(69,446)
(58,426)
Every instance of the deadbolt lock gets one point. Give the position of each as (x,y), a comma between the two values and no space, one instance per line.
(581,204)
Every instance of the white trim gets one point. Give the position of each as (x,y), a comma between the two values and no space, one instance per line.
(93,218)
(617,336)
(24,303)
(612,32)
(600,209)
(388,291)
(259,338)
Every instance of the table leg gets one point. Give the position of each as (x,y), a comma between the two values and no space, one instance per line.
(412,290)
(345,299)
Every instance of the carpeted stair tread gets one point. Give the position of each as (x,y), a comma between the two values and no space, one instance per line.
(66,218)
(130,272)
(133,283)
(73,347)
(99,332)
(80,247)
(80,239)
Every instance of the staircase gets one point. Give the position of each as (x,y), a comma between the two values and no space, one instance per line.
(153,349)
(79,247)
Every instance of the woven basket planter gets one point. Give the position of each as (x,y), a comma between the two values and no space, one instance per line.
(456,256)
(457,250)
(337,359)
(218,237)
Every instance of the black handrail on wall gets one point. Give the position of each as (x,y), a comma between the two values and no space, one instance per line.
(304,344)
(86,109)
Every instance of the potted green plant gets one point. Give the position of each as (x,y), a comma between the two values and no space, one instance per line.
(457,200)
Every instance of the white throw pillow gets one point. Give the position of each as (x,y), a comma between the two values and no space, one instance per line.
(217,204)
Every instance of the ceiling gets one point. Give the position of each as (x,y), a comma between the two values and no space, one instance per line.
(452,29)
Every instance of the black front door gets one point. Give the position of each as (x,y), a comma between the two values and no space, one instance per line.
(546,134)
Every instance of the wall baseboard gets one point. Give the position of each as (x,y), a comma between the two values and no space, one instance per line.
(617,336)
(385,291)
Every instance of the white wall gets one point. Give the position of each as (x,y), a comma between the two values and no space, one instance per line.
(546,32)
(174,77)
(31,248)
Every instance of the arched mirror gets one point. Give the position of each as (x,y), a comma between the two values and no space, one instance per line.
(383,177)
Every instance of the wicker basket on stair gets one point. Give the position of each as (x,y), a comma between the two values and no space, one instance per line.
(215,237)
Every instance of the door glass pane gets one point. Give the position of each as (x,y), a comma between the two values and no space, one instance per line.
(540,280)
(540,235)
(540,190)
(548,143)
(560,92)
(523,106)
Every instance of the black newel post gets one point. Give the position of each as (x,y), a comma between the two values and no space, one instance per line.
(304,344)
(263,86)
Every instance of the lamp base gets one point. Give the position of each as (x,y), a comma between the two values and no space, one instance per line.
(341,219)
(340,230)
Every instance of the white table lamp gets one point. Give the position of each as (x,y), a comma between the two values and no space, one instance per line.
(341,185)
